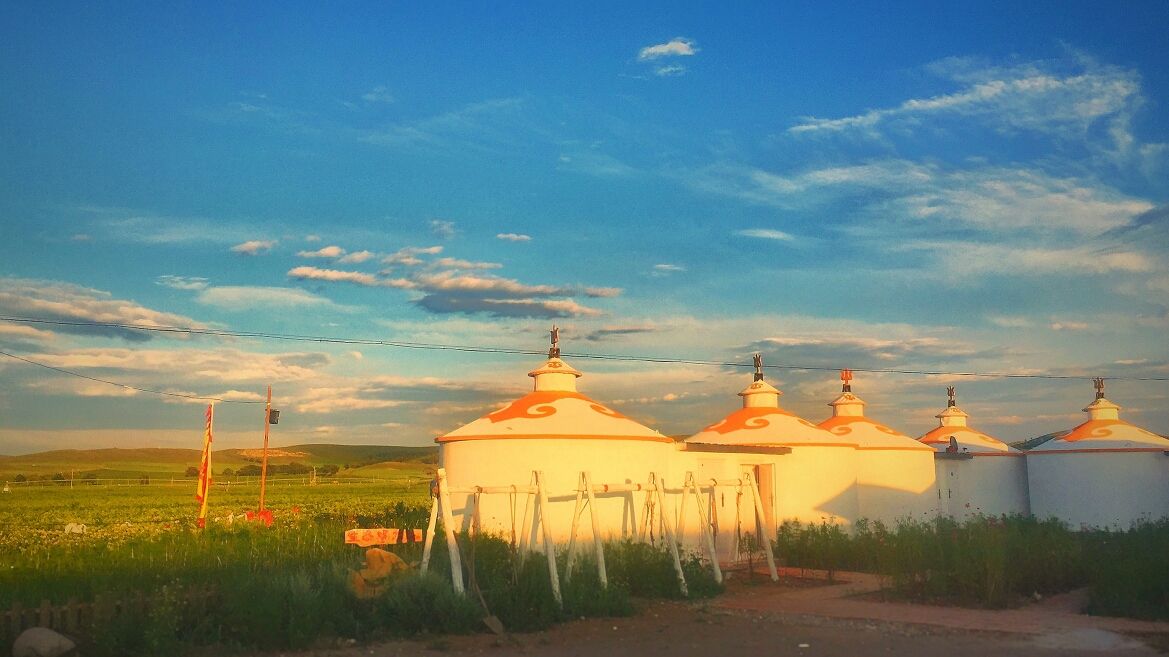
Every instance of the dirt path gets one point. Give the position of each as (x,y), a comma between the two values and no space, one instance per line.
(776,619)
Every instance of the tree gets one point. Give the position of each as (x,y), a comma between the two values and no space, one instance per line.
(249,471)
(327,470)
(228,472)
(59,479)
(192,471)
(20,478)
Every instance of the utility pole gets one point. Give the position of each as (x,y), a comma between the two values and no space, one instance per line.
(264,460)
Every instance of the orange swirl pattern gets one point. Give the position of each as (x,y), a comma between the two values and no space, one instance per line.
(536,405)
(840,425)
(533,406)
(748,418)
(1106,429)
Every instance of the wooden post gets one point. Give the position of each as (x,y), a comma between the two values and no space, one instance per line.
(575,523)
(526,531)
(707,535)
(668,533)
(597,543)
(647,514)
(761,522)
(448,522)
(429,535)
(549,546)
(264,458)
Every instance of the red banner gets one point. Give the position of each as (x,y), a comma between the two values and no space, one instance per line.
(203,490)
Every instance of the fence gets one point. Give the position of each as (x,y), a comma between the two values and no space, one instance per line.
(79,619)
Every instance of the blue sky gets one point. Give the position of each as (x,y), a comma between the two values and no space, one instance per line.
(929,187)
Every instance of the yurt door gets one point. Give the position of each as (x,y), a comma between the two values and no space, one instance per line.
(761,528)
(952,500)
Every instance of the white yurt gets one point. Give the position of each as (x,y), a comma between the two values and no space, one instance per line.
(803,472)
(1105,473)
(561,432)
(895,475)
(976,473)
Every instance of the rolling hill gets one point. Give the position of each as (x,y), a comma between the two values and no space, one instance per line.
(157,462)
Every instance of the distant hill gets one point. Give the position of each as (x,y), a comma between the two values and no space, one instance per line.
(117,462)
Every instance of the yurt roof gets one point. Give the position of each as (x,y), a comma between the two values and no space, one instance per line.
(554,409)
(1105,432)
(848,421)
(953,424)
(762,423)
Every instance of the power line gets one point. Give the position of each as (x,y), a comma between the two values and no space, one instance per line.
(126,386)
(293,337)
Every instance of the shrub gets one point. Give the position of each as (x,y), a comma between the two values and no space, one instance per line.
(419,603)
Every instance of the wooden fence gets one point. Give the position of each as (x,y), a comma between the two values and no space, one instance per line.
(79,619)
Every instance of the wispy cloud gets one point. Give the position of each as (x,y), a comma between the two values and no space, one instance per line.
(513,237)
(1059,98)
(456,263)
(306,273)
(181,282)
(408,256)
(765,234)
(488,125)
(241,298)
(670,71)
(442,229)
(253,247)
(357,257)
(379,94)
(55,300)
(666,269)
(323,252)
(676,47)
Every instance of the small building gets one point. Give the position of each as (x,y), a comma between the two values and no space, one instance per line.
(976,474)
(562,433)
(1105,473)
(804,473)
(895,475)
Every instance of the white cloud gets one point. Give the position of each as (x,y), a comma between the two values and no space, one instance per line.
(312,238)
(323,252)
(333,275)
(1070,326)
(253,247)
(408,256)
(240,298)
(672,70)
(966,259)
(1059,98)
(676,47)
(356,257)
(379,94)
(455,263)
(442,229)
(765,233)
(513,237)
(181,282)
(55,300)
(664,268)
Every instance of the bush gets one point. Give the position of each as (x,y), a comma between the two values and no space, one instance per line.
(1130,574)
(419,603)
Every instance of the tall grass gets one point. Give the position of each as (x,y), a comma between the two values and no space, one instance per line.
(1129,571)
(991,562)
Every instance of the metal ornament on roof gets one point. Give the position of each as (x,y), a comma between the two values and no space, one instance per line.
(554,350)
(1098,383)
(846,377)
(950,393)
(758,367)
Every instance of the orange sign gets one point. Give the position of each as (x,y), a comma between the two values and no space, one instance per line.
(381,536)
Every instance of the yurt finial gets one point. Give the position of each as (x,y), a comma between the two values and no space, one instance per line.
(554,350)
(950,393)
(846,377)
(1098,383)
(758,367)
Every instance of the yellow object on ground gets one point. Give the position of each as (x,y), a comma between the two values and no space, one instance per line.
(371,581)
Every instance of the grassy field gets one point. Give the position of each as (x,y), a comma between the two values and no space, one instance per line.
(284,586)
